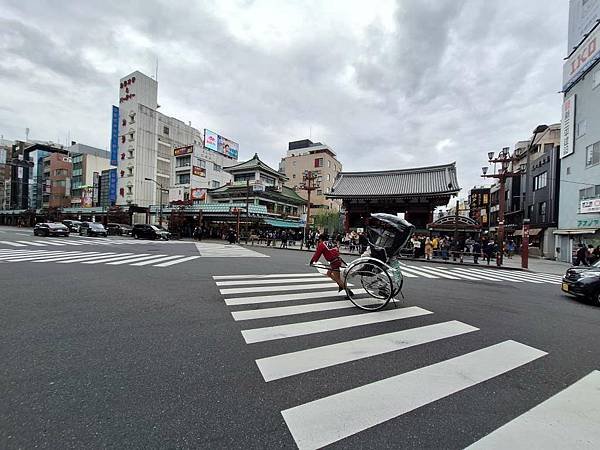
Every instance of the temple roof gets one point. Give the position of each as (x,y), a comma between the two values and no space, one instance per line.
(420,181)
(254,164)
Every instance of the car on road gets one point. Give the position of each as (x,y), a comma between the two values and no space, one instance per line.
(50,229)
(118,229)
(145,231)
(72,225)
(92,229)
(583,282)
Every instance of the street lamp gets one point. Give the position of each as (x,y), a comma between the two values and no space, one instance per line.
(160,208)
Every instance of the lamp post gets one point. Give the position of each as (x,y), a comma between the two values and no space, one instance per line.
(160,208)
(526,218)
(504,159)
(309,184)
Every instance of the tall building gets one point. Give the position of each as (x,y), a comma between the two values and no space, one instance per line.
(147,144)
(305,155)
(88,164)
(57,170)
(579,204)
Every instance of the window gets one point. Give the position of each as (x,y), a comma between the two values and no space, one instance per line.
(486,199)
(542,211)
(596,80)
(319,192)
(328,177)
(530,211)
(62,172)
(269,181)
(217,167)
(568,171)
(166,131)
(590,192)
(328,163)
(184,161)
(215,184)
(540,181)
(294,176)
(318,162)
(580,128)
(183,178)
(592,154)
(294,163)
(243,177)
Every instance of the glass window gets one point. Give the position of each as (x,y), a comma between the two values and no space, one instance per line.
(183,178)
(540,181)
(269,181)
(542,211)
(580,128)
(184,161)
(243,177)
(328,163)
(592,154)
(215,184)
(166,131)
(318,162)
(217,167)
(328,177)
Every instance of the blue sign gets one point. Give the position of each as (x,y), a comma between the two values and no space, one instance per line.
(114,137)
(112,186)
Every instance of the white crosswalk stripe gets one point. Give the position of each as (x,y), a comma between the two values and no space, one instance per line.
(93,257)
(215,250)
(14,244)
(327,420)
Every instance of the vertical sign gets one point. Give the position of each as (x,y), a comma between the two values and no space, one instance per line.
(112,186)
(114,136)
(95,189)
(567,132)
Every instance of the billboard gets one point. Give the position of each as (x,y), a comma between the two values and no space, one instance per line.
(96,193)
(210,140)
(112,186)
(567,132)
(114,136)
(583,15)
(582,59)
(228,147)
(187,150)
(199,171)
(589,206)
(199,194)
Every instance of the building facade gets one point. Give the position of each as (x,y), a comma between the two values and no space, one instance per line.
(57,171)
(88,164)
(579,203)
(304,155)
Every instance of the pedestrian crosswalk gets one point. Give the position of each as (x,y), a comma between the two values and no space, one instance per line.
(76,242)
(285,306)
(91,258)
(218,250)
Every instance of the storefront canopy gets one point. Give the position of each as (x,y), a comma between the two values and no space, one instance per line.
(280,223)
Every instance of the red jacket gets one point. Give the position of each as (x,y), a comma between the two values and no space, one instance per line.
(328,253)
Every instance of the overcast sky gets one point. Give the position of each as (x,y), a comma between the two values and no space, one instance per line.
(387,84)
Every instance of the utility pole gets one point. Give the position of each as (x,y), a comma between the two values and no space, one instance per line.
(160,208)
(309,184)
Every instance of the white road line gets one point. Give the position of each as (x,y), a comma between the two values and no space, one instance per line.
(91,256)
(71,256)
(287,297)
(433,271)
(467,274)
(35,244)
(14,244)
(327,420)
(28,253)
(47,242)
(256,277)
(568,419)
(417,272)
(291,310)
(546,276)
(305,287)
(514,275)
(113,258)
(133,258)
(155,260)
(177,261)
(337,323)
(316,278)
(288,364)
(31,257)
(69,242)
(407,275)
(490,274)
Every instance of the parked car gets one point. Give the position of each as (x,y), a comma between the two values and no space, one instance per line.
(73,225)
(50,229)
(118,229)
(149,232)
(583,282)
(92,229)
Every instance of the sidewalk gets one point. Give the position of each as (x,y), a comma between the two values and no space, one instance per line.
(514,263)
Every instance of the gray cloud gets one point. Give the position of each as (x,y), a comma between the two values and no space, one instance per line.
(447,81)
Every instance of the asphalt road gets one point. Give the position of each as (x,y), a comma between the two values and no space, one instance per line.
(143,356)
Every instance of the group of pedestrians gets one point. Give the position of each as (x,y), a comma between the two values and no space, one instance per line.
(587,256)
(445,247)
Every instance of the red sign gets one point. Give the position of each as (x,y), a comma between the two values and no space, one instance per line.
(187,150)
(199,171)
(198,194)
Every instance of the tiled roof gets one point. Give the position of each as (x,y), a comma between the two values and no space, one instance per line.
(252,164)
(433,180)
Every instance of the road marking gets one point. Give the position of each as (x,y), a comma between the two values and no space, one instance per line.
(467,274)
(316,278)
(256,277)
(133,258)
(114,258)
(285,297)
(547,277)
(30,257)
(290,310)
(177,261)
(288,364)
(434,271)
(405,269)
(35,244)
(336,323)
(20,253)
(72,256)
(89,257)
(247,290)
(494,275)
(14,244)
(155,260)
(568,419)
(513,275)
(47,242)
(69,242)
(327,420)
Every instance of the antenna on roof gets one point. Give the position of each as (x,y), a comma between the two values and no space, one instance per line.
(156,70)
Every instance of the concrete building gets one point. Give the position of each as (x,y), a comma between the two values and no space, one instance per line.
(304,155)
(88,164)
(56,179)
(146,145)
(579,203)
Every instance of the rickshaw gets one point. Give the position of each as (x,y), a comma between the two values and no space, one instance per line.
(377,272)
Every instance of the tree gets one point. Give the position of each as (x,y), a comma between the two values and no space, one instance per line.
(327,220)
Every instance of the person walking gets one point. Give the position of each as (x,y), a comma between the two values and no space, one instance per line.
(581,257)
(416,247)
(435,243)
(428,249)
(332,256)
(476,252)
(284,239)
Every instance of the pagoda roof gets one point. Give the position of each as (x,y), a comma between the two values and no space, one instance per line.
(254,164)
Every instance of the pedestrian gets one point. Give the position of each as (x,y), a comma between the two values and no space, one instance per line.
(416,247)
(435,244)
(488,251)
(581,256)
(284,239)
(428,249)
(510,249)
(595,255)
(231,236)
(476,252)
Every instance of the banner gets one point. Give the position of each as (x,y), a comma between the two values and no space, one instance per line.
(567,132)
(582,59)
(112,186)
(187,150)
(95,192)
(114,137)
(210,140)
(590,206)
(228,147)
(199,171)
(198,194)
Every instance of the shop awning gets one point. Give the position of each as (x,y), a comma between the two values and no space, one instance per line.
(518,233)
(280,223)
(577,231)
(534,231)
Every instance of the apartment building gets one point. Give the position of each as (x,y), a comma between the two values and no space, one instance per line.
(88,164)
(57,170)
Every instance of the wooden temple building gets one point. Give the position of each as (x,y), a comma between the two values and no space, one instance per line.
(415,192)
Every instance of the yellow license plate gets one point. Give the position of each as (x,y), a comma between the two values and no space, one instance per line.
(565,287)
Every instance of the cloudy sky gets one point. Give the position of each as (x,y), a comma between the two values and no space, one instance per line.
(388,84)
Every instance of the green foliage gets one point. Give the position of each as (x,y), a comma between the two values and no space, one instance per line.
(329,221)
